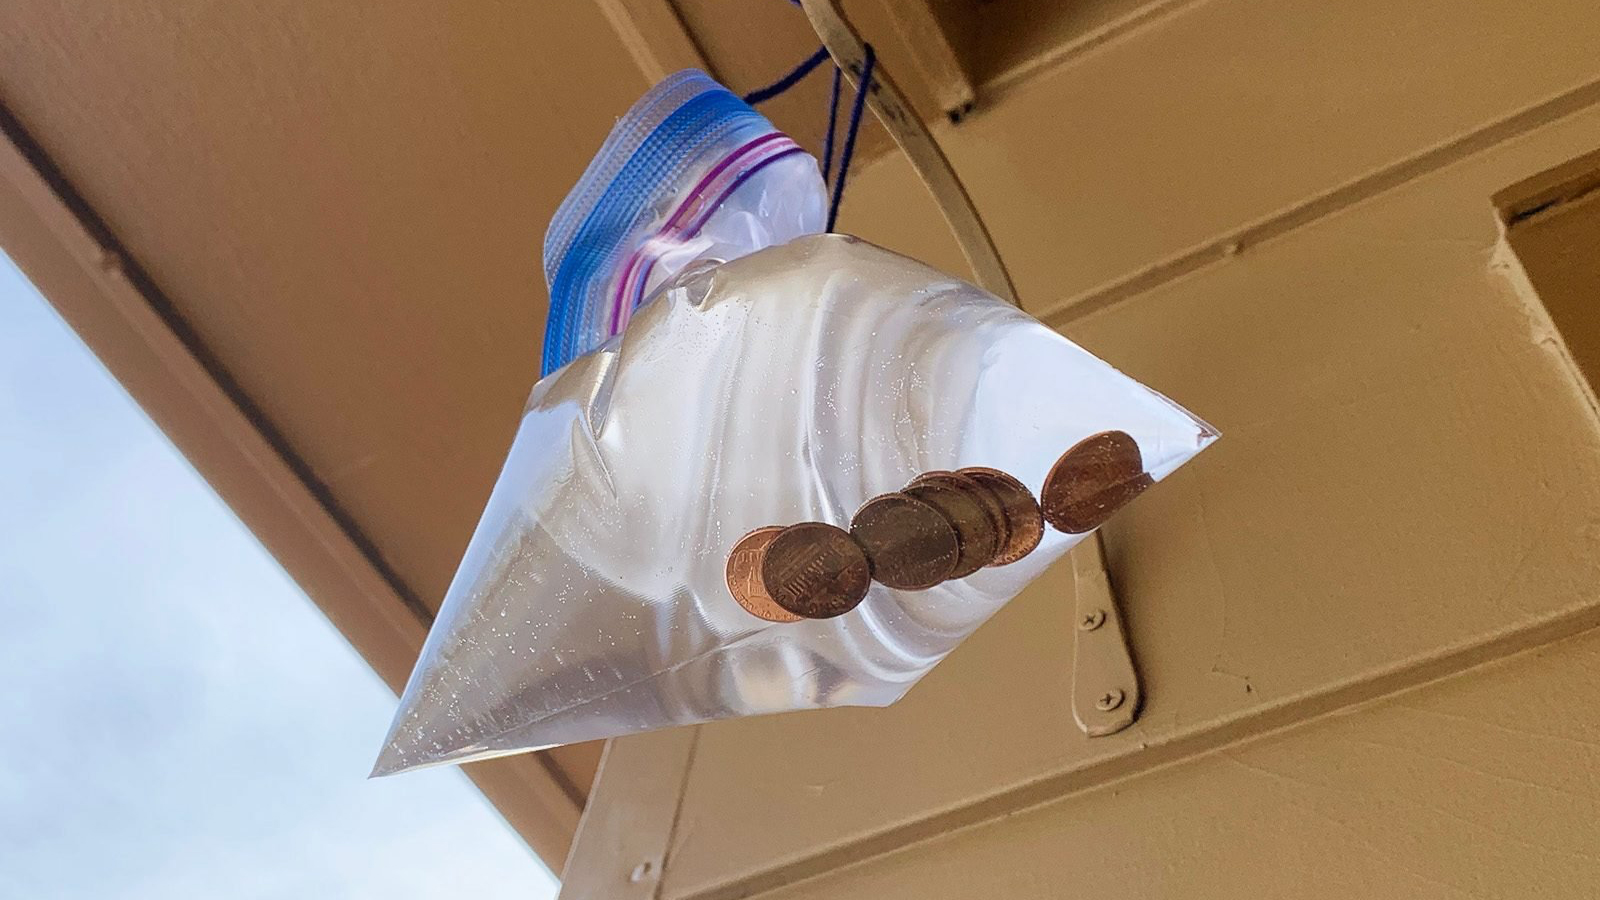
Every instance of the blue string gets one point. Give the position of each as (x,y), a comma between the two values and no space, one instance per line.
(833,123)
(856,109)
(789,80)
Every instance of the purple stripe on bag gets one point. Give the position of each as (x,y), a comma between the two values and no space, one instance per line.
(694,205)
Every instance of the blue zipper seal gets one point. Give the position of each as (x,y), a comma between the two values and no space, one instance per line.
(621,193)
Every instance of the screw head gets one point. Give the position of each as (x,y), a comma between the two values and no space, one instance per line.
(1092,621)
(1109,700)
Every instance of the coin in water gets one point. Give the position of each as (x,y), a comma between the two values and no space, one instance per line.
(989,501)
(1094,479)
(1024,521)
(910,545)
(972,513)
(991,505)
(815,570)
(744,576)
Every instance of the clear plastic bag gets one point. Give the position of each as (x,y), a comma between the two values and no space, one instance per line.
(690,172)
(773,377)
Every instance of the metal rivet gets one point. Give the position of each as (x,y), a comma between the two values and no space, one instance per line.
(1109,700)
(1092,621)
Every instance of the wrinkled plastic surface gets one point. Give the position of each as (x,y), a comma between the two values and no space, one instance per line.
(763,375)
(790,385)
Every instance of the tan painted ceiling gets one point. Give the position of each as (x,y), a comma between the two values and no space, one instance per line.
(346,202)
(339,208)
(343,204)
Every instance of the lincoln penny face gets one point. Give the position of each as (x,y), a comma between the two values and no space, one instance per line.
(1094,479)
(744,576)
(1024,520)
(910,545)
(815,570)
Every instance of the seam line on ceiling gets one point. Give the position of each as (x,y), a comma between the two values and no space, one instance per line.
(1069,51)
(670,847)
(562,780)
(117,254)
(1291,714)
(1321,206)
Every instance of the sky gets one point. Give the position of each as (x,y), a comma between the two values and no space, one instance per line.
(177,719)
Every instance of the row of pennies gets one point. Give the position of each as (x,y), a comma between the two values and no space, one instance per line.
(942,525)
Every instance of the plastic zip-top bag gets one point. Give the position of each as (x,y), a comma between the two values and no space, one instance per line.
(715,365)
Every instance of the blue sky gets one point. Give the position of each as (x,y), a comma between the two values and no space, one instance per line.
(176,718)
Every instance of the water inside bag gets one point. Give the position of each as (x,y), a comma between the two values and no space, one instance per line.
(760,374)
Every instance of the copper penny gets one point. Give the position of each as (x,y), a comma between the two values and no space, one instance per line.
(910,545)
(1024,520)
(972,512)
(990,503)
(744,576)
(1094,479)
(815,571)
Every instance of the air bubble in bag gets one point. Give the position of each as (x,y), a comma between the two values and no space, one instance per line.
(789,384)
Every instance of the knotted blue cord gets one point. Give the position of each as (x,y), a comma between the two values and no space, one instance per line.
(789,80)
(833,124)
(794,77)
(864,85)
